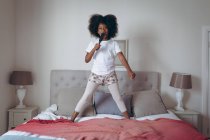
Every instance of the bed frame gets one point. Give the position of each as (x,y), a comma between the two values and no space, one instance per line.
(61,79)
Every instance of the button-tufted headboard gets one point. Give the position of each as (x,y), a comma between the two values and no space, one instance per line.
(61,79)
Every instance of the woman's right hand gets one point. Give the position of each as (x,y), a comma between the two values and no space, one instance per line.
(97,46)
(89,55)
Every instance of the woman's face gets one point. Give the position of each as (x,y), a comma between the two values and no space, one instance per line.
(102,28)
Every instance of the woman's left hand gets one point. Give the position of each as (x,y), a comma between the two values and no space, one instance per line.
(131,75)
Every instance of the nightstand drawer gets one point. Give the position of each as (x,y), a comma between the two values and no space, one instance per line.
(189,116)
(192,119)
(20,118)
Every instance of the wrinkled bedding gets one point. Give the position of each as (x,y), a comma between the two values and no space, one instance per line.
(116,129)
(48,126)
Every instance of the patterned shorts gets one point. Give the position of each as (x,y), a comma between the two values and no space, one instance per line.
(107,79)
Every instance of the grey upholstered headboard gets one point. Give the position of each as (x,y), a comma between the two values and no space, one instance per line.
(61,79)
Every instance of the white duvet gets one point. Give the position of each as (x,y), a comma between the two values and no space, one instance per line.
(49,114)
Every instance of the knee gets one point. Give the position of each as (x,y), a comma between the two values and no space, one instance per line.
(88,100)
(118,99)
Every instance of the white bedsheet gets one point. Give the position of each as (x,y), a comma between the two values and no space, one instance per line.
(169,115)
(48,114)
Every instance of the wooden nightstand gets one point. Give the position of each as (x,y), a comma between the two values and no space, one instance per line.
(189,116)
(18,116)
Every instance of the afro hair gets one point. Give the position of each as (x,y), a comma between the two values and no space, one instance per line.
(109,20)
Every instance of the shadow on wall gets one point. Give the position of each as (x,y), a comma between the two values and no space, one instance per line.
(168,100)
(171,102)
(144,43)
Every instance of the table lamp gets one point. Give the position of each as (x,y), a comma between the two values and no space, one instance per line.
(20,79)
(180,81)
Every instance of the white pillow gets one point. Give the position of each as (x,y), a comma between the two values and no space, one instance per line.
(98,116)
(147,102)
(105,104)
(169,115)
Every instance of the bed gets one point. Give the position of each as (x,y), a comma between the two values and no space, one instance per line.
(102,120)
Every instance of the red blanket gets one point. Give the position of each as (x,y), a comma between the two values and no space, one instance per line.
(113,129)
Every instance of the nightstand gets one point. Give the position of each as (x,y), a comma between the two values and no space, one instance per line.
(18,116)
(189,116)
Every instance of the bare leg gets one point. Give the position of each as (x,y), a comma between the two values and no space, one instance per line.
(86,98)
(74,115)
(126,115)
(114,89)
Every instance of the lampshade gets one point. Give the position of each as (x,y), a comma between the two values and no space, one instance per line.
(21,78)
(181,80)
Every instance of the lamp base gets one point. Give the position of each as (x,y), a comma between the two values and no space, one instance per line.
(20,106)
(21,91)
(179,98)
(179,108)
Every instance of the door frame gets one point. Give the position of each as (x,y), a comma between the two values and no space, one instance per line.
(205,80)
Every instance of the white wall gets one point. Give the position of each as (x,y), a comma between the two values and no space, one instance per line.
(164,36)
(7,62)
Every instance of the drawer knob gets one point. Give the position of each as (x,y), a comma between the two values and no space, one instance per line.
(24,119)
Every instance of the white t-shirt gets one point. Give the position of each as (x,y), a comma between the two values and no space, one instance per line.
(104,58)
